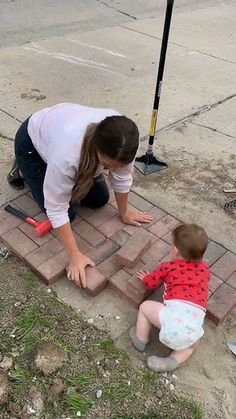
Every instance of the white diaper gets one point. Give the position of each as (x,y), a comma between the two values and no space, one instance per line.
(181,324)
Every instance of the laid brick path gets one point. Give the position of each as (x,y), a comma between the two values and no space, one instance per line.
(100,235)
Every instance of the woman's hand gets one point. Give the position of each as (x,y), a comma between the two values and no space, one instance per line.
(136,218)
(76,268)
(141,274)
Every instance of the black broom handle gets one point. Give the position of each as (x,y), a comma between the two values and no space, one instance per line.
(164,44)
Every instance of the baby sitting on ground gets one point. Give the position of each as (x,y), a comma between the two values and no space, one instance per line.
(180,318)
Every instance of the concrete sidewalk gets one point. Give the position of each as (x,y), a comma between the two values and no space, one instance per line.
(116,67)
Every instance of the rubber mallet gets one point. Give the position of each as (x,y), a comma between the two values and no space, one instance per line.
(41,227)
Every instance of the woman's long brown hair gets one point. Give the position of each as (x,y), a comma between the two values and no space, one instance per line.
(116,137)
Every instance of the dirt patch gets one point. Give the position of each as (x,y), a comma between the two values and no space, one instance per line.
(96,379)
(49,358)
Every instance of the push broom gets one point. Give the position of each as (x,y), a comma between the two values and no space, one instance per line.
(148,163)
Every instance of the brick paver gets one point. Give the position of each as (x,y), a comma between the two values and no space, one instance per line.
(100,234)
(130,254)
(18,242)
(220,303)
(89,233)
(225,266)
(96,281)
(231,281)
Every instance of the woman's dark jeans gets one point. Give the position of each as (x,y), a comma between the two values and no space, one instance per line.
(33,169)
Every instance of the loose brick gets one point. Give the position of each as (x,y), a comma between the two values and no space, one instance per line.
(102,216)
(54,268)
(213,253)
(155,254)
(89,233)
(232,281)
(102,252)
(136,286)
(214,283)
(225,266)
(109,267)
(18,242)
(27,205)
(162,227)
(96,282)
(221,303)
(139,203)
(8,222)
(112,226)
(119,282)
(44,253)
(133,250)
(120,238)
(132,271)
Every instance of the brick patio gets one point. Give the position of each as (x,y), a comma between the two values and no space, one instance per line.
(100,234)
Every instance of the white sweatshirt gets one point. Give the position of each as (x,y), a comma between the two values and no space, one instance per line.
(57,134)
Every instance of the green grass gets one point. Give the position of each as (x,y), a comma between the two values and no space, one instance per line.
(84,379)
(195,407)
(110,350)
(19,374)
(75,402)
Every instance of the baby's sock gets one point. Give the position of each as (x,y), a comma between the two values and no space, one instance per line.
(166,364)
(138,344)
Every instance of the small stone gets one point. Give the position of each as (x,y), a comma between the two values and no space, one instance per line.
(159,394)
(117,317)
(6,363)
(55,391)
(167,382)
(90,321)
(84,338)
(129,383)
(99,394)
(172,387)
(17,304)
(164,374)
(147,404)
(22,298)
(98,362)
(174,376)
(78,414)
(138,394)
(49,290)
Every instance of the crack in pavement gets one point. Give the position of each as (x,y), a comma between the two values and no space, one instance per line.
(117,10)
(188,118)
(213,129)
(179,45)
(11,116)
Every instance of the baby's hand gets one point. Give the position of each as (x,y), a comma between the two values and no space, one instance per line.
(141,274)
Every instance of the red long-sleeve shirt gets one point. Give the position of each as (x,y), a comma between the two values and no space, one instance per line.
(183,280)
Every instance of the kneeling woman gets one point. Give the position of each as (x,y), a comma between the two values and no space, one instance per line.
(61,152)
